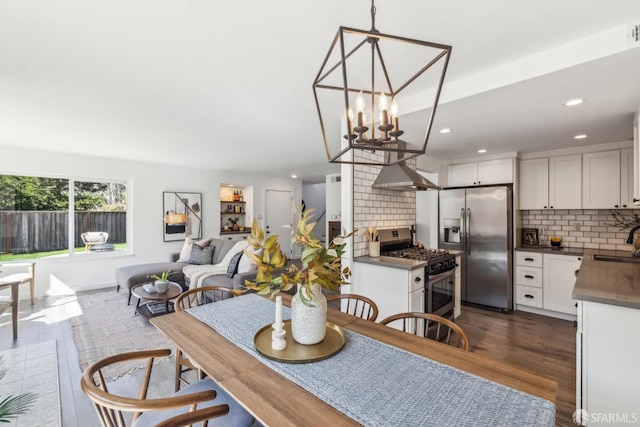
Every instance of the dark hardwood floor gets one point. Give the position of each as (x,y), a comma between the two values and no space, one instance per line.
(536,343)
(539,344)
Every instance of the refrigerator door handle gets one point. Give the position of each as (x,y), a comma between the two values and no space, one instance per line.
(463,233)
(468,231)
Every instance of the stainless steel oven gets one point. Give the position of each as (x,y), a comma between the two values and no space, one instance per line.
(440,293)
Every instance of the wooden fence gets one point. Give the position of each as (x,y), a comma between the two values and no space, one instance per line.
(24,232)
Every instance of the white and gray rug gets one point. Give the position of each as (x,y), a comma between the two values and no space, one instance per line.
(106,325)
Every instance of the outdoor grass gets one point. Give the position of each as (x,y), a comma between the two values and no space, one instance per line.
(61,252)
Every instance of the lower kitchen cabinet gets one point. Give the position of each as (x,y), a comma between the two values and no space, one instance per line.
(607,356)
(394,290)
(559,277)
(545,282)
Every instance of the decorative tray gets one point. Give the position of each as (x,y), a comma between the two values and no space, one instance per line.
(298,353)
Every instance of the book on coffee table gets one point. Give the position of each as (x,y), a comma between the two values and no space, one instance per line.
(149,288)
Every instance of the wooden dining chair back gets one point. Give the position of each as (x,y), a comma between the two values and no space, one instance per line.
(430,326)
(189,299)
(117,410)
(356,305)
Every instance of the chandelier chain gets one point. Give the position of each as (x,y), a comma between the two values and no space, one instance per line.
(373,15)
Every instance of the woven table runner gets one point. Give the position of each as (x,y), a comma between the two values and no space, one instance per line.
(377,384)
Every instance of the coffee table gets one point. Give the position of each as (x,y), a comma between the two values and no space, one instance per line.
(155,304)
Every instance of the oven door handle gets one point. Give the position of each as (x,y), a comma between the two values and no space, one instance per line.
(442,276)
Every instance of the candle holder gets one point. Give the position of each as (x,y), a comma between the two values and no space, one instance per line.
(278,342)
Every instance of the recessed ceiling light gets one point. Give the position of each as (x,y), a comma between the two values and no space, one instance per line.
(294,176)
(445,130)
(573,102)
(482,151)
(581,136)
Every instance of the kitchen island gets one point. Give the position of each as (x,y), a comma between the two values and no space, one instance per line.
(607,344)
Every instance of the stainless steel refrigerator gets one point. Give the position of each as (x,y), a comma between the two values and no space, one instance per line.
(478,221)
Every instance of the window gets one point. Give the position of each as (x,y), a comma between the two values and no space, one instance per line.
(39,216)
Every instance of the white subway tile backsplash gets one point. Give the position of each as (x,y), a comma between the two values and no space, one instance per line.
(597,229)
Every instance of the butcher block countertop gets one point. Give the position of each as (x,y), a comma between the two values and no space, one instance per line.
(609,282)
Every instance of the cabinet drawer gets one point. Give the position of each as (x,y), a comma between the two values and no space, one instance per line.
(527,295)
(529,259)
(529,276)
(417,279)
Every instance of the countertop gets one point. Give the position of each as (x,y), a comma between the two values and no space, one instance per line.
(615,283)
(401,263)
(551,250)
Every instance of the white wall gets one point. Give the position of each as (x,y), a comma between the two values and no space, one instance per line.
(147,182)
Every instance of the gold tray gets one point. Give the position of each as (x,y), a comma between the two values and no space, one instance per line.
(333,341)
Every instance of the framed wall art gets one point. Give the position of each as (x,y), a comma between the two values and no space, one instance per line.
(181,215)
(530,236)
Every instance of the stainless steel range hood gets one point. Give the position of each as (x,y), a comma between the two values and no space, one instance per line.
(401,177)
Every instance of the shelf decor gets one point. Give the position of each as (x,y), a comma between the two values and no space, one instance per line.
(182,215)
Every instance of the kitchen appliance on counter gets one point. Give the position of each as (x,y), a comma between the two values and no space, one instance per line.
(439,286)
(478,222)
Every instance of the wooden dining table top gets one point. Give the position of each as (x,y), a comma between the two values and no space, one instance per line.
(276,401)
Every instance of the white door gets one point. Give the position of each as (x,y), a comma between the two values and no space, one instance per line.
(559,277)
(278,213)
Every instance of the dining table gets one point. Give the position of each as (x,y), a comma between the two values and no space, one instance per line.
(382,376)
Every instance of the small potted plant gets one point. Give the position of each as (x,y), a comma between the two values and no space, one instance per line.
(162,281)
(234,223)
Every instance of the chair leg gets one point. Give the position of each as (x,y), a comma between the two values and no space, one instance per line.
(14,309)
(178,369)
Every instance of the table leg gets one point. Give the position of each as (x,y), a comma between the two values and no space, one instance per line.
(32,280)
(137,305)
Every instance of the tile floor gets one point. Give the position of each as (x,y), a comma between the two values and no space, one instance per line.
(33,368)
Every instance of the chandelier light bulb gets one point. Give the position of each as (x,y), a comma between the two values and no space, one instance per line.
(394,109)
(360,103)
(383,102)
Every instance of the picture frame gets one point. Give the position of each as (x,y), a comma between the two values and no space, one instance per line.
(181,215)
(530,236)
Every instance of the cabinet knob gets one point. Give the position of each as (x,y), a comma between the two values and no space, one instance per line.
(528,276)
(418,279)
(636,200)
(528,296)
(550,207)
(474,183)
(479,182)
(528,259)
(624,206)
(617,206)
(545,207)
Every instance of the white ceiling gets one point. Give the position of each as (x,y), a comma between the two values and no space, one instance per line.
(226,84)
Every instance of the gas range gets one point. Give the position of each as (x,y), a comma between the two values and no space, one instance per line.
(396,243)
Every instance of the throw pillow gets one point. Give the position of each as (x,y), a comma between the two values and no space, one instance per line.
(185,253)
(203,243)
(201,256)
(233,265)
(246,264)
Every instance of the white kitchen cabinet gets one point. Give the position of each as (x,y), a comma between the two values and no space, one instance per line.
(626,178)
(601,179)
(236,236)
(559,277)
(394,290)
(607,365)
(565,182)
(551,183)
(528,279)
(534,184)
(498,171)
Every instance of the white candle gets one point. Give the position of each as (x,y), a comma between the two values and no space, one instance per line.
(278,313)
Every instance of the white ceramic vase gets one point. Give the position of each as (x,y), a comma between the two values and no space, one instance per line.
(309,324)
(161,287)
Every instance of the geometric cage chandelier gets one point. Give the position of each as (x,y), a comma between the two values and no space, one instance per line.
(368,90)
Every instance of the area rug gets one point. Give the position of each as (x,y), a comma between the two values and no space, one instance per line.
(33,369)
(109,326)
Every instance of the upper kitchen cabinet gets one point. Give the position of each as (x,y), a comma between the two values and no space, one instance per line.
(627,178)
(480,173)
(551,183)
(534,184)
(565,182)
(601,180)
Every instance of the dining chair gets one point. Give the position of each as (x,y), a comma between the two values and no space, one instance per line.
(11,302)
(140,411)
(189,299)
(431,326)
(356,305)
